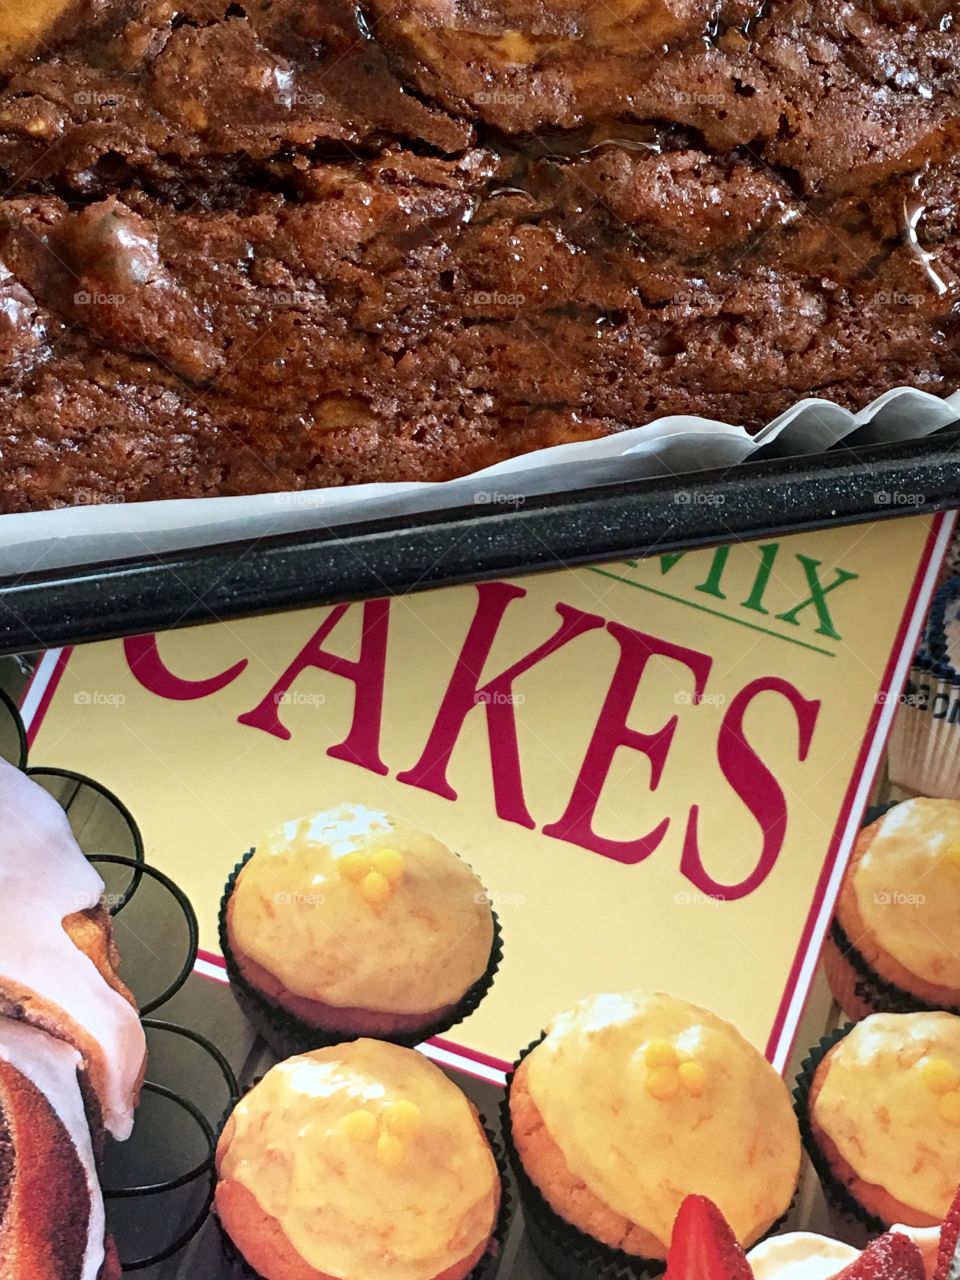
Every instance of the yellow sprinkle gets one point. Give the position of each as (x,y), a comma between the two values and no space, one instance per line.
(375,888)
(402,1117)
(660,1053)
(389,863)
(663,1083)
(939,1075)
(390,1150)
(949,1108)
(354,866)
(694,1078)
(360,1126)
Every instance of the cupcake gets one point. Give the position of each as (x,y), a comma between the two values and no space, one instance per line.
(879,1107)
(361,1160)
(628,1104)
(351,923)
(924,748)
(891,946)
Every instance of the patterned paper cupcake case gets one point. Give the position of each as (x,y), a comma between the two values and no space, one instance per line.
(486,1269)
(943,631)
(565,1251)
(875,992)
(287,1034)
(837,1194)
(924,749)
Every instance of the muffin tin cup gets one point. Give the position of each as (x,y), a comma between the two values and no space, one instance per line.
(286,1034)
(486,1269)
(859,990)
(845,1210)
(565,1251)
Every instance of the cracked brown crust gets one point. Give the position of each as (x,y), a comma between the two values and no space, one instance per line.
(260,247)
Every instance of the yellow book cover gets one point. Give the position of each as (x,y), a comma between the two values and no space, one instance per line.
(656,767)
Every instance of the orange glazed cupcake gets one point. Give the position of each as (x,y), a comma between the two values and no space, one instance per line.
(360,1160)
(879,1107)
(627,1105)
(352,923)
(892,944)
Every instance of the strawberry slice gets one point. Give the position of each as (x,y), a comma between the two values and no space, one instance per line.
(703,1246)
(890,1257)
(948,1255)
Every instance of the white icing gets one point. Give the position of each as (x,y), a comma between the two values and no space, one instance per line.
(51,1066)
(44,877)
(800,1255)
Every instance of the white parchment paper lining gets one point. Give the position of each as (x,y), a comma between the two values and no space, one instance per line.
(669,446)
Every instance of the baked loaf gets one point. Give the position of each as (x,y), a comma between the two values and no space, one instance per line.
(51,1206)
(58,959)
(249,247)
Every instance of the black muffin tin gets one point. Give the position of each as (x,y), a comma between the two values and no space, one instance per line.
(466,544)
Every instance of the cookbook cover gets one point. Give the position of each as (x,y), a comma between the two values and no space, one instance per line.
(656,767)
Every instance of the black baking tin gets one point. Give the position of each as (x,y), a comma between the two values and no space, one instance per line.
(468,544)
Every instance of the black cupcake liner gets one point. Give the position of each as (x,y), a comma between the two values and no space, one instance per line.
(936,636)
(286,1034)
(837,1193)
(486,1268)
(881,996)
(567,1252)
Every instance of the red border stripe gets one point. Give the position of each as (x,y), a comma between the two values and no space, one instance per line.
(53,683)
(906,622)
